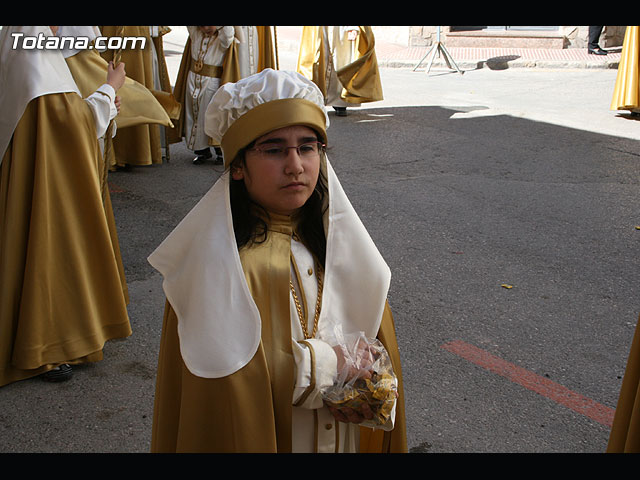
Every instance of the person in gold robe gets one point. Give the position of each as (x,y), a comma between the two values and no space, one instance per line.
(261,278)
(140,144)
(341,60)
(626,92)
(63,292)
(625,431)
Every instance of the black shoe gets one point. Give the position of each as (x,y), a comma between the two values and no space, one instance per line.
(202,156)
(596,51)
(219,159)
(61,373)
(341,111)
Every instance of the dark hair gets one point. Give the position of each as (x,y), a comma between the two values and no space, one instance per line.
(248,216)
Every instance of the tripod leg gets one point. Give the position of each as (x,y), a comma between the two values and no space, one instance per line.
(422,59)
(449,59)
(435,52)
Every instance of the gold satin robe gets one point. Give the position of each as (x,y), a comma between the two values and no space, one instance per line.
(268,54)
(139,105)
(360,79)
(140,144)
(63,289)
(251,409)
(626,90)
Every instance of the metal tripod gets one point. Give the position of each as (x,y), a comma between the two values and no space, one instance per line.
(439,48)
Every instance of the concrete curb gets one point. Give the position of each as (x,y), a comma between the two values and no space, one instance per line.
(499,64)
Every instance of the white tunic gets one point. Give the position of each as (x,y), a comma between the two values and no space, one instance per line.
(103,107)
(200,88)
(248,49)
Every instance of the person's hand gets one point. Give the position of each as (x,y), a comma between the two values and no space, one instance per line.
(118,103)
(358,366)
(116,75)
(349,415)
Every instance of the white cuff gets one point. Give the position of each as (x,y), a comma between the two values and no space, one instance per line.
(316,369)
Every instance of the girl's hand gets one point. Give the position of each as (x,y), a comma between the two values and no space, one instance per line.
(357,366)
(349,415)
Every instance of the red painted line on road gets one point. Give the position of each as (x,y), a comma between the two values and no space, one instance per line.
(545,387)
(114,188)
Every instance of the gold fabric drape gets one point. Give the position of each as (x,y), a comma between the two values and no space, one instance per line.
(312,57)
(63,290)
(626,90)
(139,105)
(250,410)
(625,431)
(176,133)
(268,49)
(360,79)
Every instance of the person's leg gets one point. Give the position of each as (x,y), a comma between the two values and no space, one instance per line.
(594,39)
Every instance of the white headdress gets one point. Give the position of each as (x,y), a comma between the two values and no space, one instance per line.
(241,112)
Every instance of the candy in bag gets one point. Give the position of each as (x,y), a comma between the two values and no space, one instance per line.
(366,377)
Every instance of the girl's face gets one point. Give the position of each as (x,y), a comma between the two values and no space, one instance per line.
(281,183)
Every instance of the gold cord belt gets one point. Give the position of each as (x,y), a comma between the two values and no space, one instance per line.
(213,71)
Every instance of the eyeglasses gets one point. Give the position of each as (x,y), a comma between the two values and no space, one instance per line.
(277,152)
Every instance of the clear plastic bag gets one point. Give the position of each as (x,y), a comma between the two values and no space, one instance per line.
(364,357)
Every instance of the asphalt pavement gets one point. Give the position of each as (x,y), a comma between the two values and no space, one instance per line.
(505,203)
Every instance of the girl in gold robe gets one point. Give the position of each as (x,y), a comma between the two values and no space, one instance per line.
(259,277)
(63,291)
